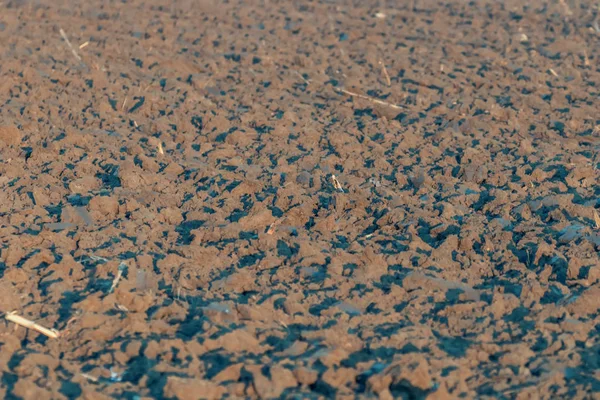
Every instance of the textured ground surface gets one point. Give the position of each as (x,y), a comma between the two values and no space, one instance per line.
(191,149)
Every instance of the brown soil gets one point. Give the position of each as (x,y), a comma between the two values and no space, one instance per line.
(300,198)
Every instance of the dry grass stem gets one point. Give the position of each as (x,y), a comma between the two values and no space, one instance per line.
(384,71)
(98,258)
(336,183)
(160,149)
(272,227)
(121,307)
(82,45)
(371,99)
(66,39)
(597,219)
(17,319)
(115,282)
(307,81)
(90,377)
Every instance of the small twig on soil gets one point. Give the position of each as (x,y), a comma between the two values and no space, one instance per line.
(336,183)
(597,219)
(115,282)
(553,72)
(307,81)
(371,99)
(121,307)
(17,319)
(98,258)
(272,227)
(66,39)
(160,149)
(147,87)
(82,45)
(90,377)
(385,74)
(124,102)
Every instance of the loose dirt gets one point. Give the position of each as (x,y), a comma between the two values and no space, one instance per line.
(300,199)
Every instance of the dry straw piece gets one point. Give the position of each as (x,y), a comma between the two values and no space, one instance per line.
(336,183)
(272,227)
(17,319)
(68,42)
(371,99)
(388,81)
(115,281)
(597,219)
(90,377)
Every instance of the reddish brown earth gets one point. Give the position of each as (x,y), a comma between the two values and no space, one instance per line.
(192,150)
